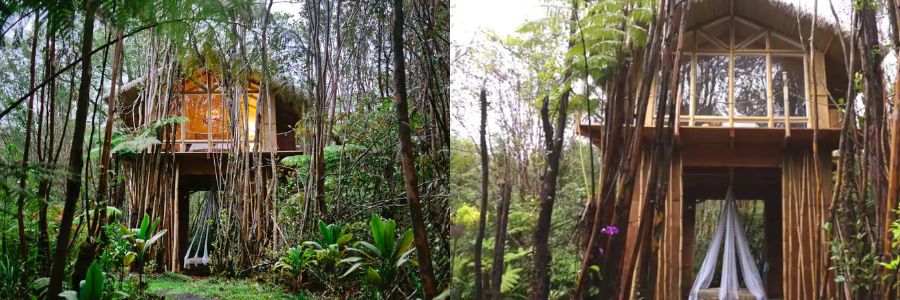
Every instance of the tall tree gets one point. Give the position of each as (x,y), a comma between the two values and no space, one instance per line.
(88,251)
(420,236)
(76,161)
(500,240)
(20,212)
(553,143)
(479,240)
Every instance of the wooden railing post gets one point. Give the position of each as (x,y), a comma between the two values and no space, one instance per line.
(182,125)
(787,108)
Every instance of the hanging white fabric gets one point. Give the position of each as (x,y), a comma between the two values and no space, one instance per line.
(730,230)
(202,226)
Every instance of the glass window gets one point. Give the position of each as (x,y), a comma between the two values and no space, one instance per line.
(210,117)
(792,66)
(750,86)
(712,85)
(684,86)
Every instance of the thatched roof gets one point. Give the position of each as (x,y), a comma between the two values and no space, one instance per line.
(289,102)
(776,15)
(781,17)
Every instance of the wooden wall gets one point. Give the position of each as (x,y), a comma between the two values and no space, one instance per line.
(804,210)
(670,280)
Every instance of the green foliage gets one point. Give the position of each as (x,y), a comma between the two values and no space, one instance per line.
(93,287)
(852,260)
(143,138)
(466,216)
(9,277)
(893,262)
(296,260)
(214,288)
(142,240)
(319,258)
(465,183)
(384,259)
(509,280)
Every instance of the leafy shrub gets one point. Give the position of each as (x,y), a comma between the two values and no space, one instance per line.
(142,240)
(321,257)
(93,287)
(384,259)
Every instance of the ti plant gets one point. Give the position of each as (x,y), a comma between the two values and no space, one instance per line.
(296,260)
(331,244)
(384,259)
(142,239)
(326,252)
(93,287)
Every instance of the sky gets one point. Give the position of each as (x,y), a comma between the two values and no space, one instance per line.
(469,17)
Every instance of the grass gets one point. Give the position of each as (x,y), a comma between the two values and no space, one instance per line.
(216,288)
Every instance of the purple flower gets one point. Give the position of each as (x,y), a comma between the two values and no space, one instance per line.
(600,251)
(610,230)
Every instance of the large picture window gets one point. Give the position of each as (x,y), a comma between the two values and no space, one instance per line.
(733,73)
(214,119)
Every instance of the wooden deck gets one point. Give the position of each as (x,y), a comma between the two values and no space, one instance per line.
(737,146)
(204,163)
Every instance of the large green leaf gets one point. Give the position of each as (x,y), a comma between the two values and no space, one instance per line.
(374,277)
(404,245)
(344,239)
(375,226)
(93,286)
(145,223)
(149,242)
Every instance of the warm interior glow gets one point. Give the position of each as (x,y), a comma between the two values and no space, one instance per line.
(210,117)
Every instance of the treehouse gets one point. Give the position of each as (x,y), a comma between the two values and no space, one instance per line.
(752,101)
(214,128)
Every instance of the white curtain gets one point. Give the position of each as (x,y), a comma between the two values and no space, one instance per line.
(736,252)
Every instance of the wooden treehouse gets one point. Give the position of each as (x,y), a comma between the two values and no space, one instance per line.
(227,125)
(750,100)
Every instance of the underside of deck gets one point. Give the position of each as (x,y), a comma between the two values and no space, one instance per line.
(210,163)
(735,147)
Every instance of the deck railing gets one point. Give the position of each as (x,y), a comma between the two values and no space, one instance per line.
(733,119)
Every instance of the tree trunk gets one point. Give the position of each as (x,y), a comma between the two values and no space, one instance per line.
(76,161)
(540,283)
(43,241)
(20,211)
(423,251)
(88,250)
(500,240)
(875,136)
(479,240)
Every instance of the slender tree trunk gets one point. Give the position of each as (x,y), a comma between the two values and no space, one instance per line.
(873,92)
(500,240)
(20,212)
(479,240)
(893,192)
(76,161)
(105,157)
(541,280)
(423,251)
(88,251)
(43,242)
(540,283)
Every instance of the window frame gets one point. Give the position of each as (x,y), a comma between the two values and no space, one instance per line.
(731,52)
